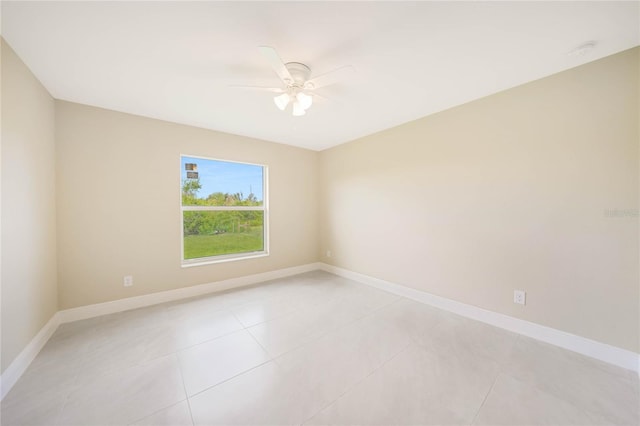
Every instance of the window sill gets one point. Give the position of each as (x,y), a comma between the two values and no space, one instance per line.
(222,259)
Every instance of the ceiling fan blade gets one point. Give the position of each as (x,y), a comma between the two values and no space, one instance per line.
(276,63)
(264,89)
(332,77)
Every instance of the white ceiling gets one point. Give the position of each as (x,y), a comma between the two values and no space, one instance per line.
(175,60)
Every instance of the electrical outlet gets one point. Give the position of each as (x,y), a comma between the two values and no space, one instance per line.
(519,297)
(328,253)
(128,280)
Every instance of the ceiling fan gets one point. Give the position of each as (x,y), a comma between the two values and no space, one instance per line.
(298,88)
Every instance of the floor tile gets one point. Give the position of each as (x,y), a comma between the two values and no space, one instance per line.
(317,349)
(215,361)
(125,350)
(309,295)
(291,331)
(42,408)
(71,339)
(601,389)
(458,334)
(260,311)
(126,395)
(242,295)
(415,318)
(513,402)
(340,359)
(196,306)
(57,362)
(369,297)
(262,396)
(188,331)
(133,323)
(176,415)
(415,387)
(59,376)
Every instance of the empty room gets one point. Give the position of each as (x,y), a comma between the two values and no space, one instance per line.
(320,213)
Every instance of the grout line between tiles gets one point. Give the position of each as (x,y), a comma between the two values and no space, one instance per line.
(354,385)
(273,358)
(238,320)
(296,309)
(204,341)
(184,387)
(193,422)
(254,337)
(157,411)
(336,329)
(485,397)
(230,378)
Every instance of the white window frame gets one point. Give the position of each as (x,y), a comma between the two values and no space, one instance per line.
(186,263)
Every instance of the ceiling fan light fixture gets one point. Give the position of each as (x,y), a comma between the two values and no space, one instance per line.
(298,109)
(282,101)
(304,100)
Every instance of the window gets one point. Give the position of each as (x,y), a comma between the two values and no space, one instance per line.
(224,210)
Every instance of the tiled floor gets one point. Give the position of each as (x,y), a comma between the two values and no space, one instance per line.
(310,349)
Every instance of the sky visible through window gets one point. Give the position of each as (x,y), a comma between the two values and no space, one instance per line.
(226,177)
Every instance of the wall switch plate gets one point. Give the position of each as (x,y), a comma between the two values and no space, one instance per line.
(519,297)
(328,253)
(128,280)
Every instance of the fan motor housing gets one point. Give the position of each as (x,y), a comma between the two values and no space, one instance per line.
(299,72)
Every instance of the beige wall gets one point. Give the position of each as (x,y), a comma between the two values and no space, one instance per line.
(507,192)
(29,292)
(119,203)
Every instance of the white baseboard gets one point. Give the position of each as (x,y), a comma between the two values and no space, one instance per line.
(19,365)
(601,351)
(98,309)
